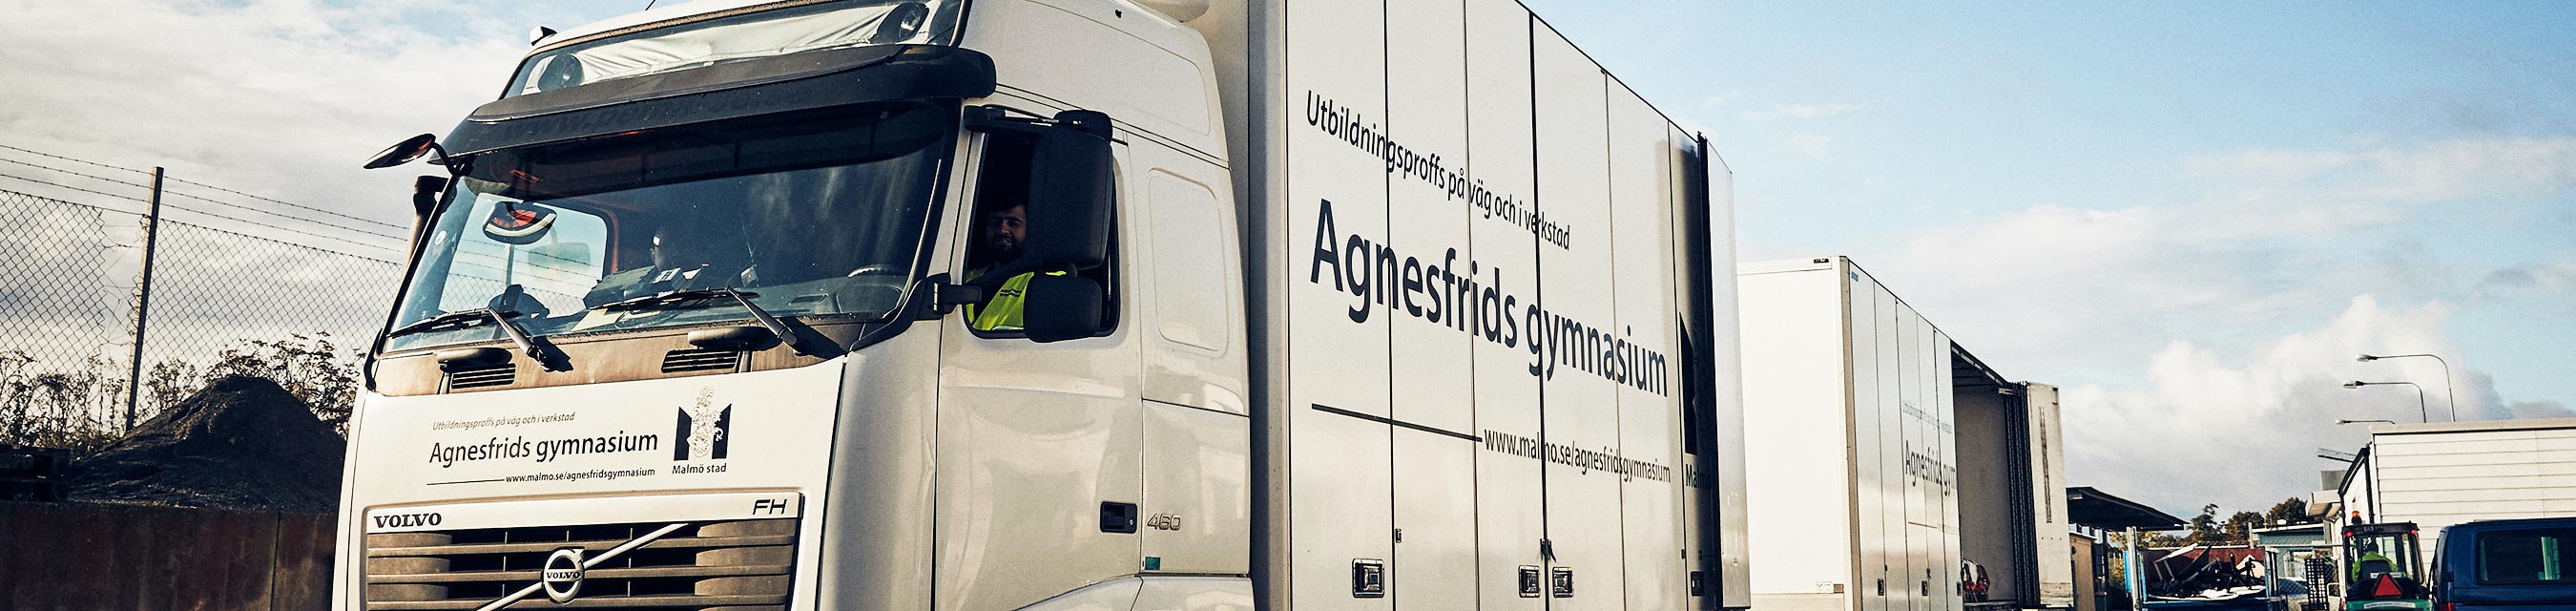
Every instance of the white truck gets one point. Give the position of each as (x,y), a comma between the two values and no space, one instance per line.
(2439,474)
(1056,304)
(1883,456)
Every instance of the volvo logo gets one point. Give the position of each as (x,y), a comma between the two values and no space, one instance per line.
(563,574)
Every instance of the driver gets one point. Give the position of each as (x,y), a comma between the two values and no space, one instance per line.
(1000,233)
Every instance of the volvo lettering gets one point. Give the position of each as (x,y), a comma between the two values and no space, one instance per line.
(406,520)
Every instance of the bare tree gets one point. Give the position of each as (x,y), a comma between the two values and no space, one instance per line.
(80,407)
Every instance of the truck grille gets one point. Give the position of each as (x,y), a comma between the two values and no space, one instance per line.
(478,378)
(699,359)
(733,565)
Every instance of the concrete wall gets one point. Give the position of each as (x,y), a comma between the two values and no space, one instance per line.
(114,557)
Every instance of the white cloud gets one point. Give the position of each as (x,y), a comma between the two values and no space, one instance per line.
(281,98)
(2272,165)
(274,98)
(2461,169)
(2439,171)
(2084,289)
(1802,111)
(2235,429)
(2166,319)
(2283,234)
(1812,145)
(2543,277)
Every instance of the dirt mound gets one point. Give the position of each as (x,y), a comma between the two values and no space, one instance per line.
(241,443)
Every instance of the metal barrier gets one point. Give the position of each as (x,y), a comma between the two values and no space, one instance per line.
(110,309)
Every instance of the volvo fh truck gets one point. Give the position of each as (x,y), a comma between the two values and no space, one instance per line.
(1056,304)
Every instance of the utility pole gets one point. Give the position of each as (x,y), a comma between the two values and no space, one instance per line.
(143,299)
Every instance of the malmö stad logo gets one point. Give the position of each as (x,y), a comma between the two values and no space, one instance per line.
(703,429)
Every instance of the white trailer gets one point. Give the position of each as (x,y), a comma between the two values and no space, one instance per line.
(1882,455)
(1328,304)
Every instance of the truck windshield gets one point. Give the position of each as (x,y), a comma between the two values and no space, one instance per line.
(779,31)
(813,213)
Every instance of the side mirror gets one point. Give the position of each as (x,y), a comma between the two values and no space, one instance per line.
(404,152)
(1059,308)
(1071,190)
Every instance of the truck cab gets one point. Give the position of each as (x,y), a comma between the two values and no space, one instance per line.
(692,288)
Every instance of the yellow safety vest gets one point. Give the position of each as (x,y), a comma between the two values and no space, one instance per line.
(1003,312)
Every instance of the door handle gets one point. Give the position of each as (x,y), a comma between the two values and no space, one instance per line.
(1116,517)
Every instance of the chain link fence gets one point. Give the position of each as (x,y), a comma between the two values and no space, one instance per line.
(235,288)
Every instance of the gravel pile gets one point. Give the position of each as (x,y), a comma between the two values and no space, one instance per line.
(241,443)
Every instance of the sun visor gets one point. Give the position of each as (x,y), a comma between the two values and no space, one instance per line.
(798,81)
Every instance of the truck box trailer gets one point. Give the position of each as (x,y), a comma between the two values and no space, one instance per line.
(1057,304)
(2443,473)
(1884,456)
(2012,492)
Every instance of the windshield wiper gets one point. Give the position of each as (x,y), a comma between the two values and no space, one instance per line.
(461,318)
(667,298)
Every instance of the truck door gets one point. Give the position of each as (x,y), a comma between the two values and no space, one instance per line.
(1039,467)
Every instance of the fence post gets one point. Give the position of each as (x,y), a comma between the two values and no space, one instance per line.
(143,299)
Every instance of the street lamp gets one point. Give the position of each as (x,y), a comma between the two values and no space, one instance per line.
(2420,410)
(2344,421)
(2448,386)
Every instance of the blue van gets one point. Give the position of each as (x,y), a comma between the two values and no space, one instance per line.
(2506,565)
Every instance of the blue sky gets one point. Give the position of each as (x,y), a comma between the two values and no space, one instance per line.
(2189,215)
(1921,115)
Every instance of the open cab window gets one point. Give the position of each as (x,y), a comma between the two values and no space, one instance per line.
(1002,186)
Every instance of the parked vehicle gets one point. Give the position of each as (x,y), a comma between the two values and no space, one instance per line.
(2420,473)
(1056,304)
(2379,563)
(1892,456)
(2506,565)
(2415,473)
